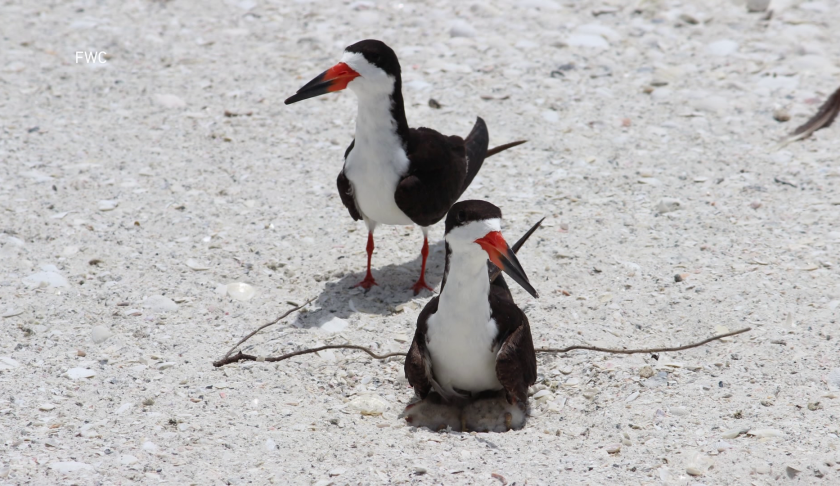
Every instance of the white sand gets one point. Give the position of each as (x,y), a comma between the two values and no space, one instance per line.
(133,163)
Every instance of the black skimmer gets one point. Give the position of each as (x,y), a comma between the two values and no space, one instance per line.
(472,358)
(394,174)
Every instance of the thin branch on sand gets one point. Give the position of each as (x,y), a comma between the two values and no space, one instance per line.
(240,356)
(641,351)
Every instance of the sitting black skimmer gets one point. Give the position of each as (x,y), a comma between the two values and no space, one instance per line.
(472,358)
(394,174)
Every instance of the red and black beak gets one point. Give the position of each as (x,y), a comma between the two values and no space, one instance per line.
(503,257)
(335,78)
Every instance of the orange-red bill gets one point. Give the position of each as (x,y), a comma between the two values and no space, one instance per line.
(503,257)
(333,79)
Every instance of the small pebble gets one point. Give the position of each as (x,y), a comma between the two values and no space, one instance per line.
(461,28)
(107,205)
(100,334)
(79,373)
(781,115)
(834,379)
(169,101)
(688,19)
(270,445)
(668,204)
(123,408)
(722,47)
(645,371)
(159,303)
(7,363)
(613,448)
(12,312)
(679,411)
(127,459)
(792,471)
(336,324)
(195,265)
(45,279)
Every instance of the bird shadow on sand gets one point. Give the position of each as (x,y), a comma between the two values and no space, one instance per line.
(340,299)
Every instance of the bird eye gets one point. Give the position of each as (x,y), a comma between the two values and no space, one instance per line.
(462,216)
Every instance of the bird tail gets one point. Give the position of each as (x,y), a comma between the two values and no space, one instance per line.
(476,148)
(493,151)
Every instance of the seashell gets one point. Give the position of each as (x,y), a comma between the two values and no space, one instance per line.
(368,405)
(241,291)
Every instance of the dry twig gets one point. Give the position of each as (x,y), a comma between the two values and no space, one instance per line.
(275,321)
(240,356)
(640,351)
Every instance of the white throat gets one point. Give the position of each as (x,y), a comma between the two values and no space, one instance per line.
(467,285)
(378,160)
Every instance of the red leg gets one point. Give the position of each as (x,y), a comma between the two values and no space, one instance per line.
(421,282)
(368,282)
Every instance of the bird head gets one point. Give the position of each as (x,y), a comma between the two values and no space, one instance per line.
(366,67)
(474,228)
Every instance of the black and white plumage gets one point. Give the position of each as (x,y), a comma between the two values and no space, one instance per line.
(472,358)
(394,174)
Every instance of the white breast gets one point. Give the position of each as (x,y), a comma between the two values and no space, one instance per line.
(462,354)
(378,161)
(460,334)
(374,168)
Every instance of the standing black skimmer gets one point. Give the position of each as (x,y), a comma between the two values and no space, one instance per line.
(472,358)
(394,174)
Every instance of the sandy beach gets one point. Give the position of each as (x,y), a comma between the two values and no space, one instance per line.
(143,184)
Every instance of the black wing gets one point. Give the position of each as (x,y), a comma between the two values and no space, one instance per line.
(345,190)
(516,362)
(436,172)
(418,365)
(476,149)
